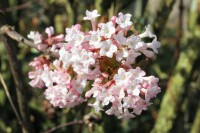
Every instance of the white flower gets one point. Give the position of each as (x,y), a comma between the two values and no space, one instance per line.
(91,15)
(124,20)
(78,38)
(35,36)
(126,114)
(113,110)
(142,47)
(87,58)
(120,37)
(137,74)
(96,106)
(61,96)
(49,31)
(127,102)
(71,33)
(95,39)
(107,49)
(140,105)
(154,45)
(122,77)
(133,40)
(120,54)
(150,88)
(132,55)
(148,32)
(47,77)
(117,90)
(75,55)
(36,78)
(151,92)
(105,97)
(60,77)
(78,85)
(65,56)
(107,29)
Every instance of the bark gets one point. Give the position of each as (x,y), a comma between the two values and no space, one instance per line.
(176,88)
(196,124)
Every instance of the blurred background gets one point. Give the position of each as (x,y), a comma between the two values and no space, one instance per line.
(176,23)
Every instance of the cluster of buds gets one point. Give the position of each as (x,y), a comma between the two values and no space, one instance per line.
(100,64)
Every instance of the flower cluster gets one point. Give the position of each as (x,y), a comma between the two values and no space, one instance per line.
(100,63)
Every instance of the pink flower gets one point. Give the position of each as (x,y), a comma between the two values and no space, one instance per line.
(105,58)
(36,79)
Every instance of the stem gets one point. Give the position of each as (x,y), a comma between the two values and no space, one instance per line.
(19,7)
(10,32)
(162,15)
(64,125)
(196,124)
(18,79)
(10,99)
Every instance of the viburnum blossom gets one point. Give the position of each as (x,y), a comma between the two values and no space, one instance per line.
(107,30)
(90,15)
(124,20)
(35,36)
(104,57)
(107,49)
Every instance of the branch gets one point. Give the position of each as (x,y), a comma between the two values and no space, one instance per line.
(64,125)
(18,79)
(162,15)
(10,99)
(196,124)
(19,7)
(9,31)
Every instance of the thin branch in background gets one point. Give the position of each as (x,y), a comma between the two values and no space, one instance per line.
(162,15)
(179,31)
(18,7)
(15,67)
(176,53)
(10,99)
(20,86)
(64,125)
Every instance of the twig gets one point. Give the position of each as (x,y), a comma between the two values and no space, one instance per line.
(179,31)
(9,31)
(18,79)
(5,29)
(64,125)
(162,16)
(19,84)
(19,7)
(176,53)
(10,99)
